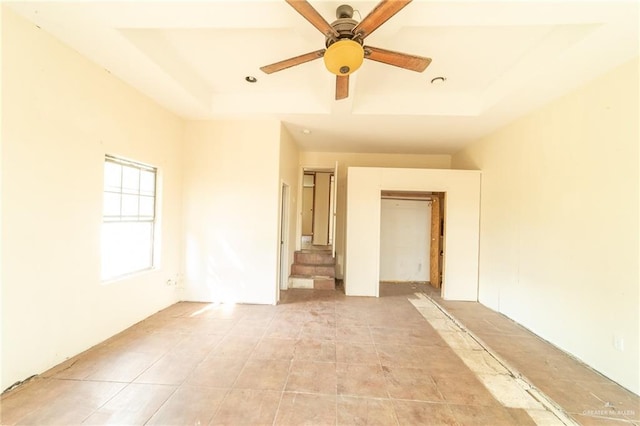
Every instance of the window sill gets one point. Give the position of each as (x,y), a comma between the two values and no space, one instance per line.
(128,275)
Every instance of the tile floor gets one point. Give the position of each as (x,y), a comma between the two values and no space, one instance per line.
(587,396)
(318,358)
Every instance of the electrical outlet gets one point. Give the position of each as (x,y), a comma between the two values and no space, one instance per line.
(618,342)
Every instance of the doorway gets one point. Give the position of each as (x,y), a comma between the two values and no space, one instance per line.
(411,238)
(318,209)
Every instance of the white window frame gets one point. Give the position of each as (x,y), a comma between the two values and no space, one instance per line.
(110,218)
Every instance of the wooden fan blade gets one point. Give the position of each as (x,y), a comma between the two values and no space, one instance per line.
(342,87)
(310,14)
(297,60)
(402,60)
(378,16)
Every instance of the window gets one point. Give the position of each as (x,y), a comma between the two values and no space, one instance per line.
(128,217)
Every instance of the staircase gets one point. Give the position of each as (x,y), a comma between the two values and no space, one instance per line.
(313,269)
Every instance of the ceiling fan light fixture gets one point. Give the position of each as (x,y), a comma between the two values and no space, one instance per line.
(344,57)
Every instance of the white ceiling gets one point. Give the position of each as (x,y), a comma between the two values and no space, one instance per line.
(500,59)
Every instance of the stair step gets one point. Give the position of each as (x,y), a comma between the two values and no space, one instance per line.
(316,282)
(300,282)
(314,258)
(305,269)
(327,283)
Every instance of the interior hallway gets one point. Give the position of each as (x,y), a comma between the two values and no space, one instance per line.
(317,358)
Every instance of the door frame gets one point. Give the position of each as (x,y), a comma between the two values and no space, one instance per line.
(437,251)
(322,214)
(302,202)
(283,239)
(306,170)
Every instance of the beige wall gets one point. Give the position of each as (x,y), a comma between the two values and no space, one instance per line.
(559,228)
(60,115)
(289,156)
(350,159)
(327,160)
(231,192)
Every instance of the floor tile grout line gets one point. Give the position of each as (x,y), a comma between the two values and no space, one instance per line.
(126,385)
(375,346)
(161,405)
(284,386)
(548,403)
(231,387)
(224,398)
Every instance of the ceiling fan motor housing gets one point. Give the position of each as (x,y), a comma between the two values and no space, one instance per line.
(344,27)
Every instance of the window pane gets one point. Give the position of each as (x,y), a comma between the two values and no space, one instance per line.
(147,182)
(112,176)
(126,248)
(146,207)
(130,179)
(111,206)
(129,205)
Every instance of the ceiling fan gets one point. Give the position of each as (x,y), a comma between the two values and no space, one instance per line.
(344,50)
